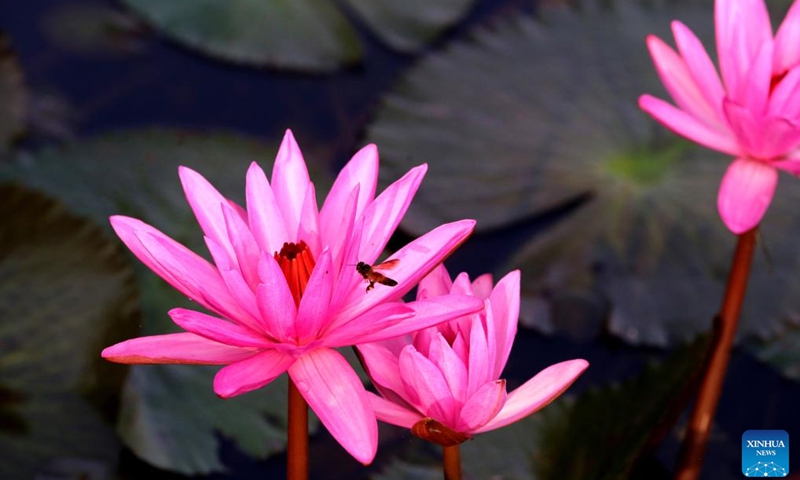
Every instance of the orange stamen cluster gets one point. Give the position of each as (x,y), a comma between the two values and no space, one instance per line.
(297,263)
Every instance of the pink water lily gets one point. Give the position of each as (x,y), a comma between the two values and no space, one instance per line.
(753,113)
(448,376)
(284,287)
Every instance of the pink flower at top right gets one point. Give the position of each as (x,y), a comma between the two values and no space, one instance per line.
(752,112)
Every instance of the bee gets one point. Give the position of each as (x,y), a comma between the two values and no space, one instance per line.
(370,273)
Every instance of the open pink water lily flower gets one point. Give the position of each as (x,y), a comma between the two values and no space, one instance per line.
(753,113)
(285,288)
(444,382)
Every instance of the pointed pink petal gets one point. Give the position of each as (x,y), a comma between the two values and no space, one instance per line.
(787,42)
(264,214)
(217,329)
(181,348)
(482,406)
(452,368)
(289,183)
(761,137)
(275,301)
(480,365)
(701,68)
(504,303)
(383,369)
(369,326)
(426,388)
(392,413)
(383,215)
(248,375)
(179,266)
(536,393)
(745,194)
(435,284)
(427,313)
(416,260)
(313,312)
(360,174)
(335,393)
(758,82)
(687,126)
(237,287)
(680,83)
(206,203)
(742,26)
(483,285)
(308,229)
(245,248)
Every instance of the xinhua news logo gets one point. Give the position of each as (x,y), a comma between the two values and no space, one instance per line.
(765,453)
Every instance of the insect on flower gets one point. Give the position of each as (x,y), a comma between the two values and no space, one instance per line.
(370,273)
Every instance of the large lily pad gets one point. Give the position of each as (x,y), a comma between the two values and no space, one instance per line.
(13,96)
(305,35)
(530,114)
(66,291)
(170,415)
(594,436)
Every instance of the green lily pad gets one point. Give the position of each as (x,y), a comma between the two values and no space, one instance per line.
(170,416)
(408,26)
(66,291)
(556,119)
(13,96)
(309,35)
(594,436)
(304,35)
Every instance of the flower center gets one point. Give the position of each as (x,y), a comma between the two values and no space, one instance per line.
(296,262)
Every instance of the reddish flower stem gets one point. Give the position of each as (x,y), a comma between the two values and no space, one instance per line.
(690,458)
(451,462)
(297,430)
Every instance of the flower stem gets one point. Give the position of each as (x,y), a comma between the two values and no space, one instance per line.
(690,458)
(452,462)
(297,443)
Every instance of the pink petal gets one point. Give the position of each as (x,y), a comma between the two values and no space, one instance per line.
(702,70)
(248,375)
(791,166)
(742,26)
(504,303)
(369,326)
(275,301)
(264,214)
(427,313)
(206,203)
(237,287)
(680,83)
(435,284)
(758,82)
(453,369)
(482,406)
(308,229)
(245,248)
(480,364)
(313,311)
(216,329)
(688,126)
(483,285)
(426,388)
(335,393)
(181,348)
(416,260)
(290,183)
(392,413)
(536,393)
(787,42)
(746,192)
(383,369)
(785,98)
(761,137)
(360,174)
(383,215)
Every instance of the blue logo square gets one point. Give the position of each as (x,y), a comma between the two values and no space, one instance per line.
(765,453)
